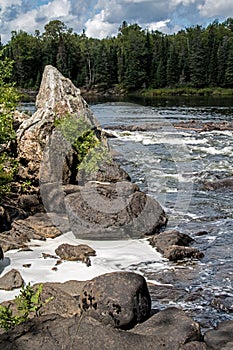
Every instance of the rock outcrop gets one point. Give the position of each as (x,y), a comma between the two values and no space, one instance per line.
(11,280)
(99,204)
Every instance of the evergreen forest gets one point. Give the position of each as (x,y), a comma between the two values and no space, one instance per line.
(134,59)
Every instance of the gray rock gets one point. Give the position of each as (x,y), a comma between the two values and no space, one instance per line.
(37,137)
(120,299)
(80,252)
(168,238)
(175,253)
(54,332)
(11,280)
(172,326)
(220,338)
(113,211)
(195,345)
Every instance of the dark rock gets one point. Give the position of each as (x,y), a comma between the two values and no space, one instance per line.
(29,203)
(223,302)
(220,338)
(168,238)
(120,299)
(164,294)
(113,211)
(80,252)
(11,280)
(175,253)
(60,301)
(172,326)
(1,254)
(54,332)
(194,345)
(218,184)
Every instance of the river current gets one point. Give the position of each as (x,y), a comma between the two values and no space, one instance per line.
(173,166)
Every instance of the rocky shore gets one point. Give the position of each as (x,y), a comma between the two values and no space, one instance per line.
(111,311)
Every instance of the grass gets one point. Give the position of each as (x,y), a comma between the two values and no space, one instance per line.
(186,91)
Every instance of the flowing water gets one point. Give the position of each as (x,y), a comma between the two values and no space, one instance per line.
(172,165)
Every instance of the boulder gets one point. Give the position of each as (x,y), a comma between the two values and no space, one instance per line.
(11,280)
(220,338)
(37,136)
(113,211)
(80,252)
(175,253)
(120,299)
(172,327)
(54,332)
(168,238)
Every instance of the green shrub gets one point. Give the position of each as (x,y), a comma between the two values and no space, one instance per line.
(27,302)
(89,149)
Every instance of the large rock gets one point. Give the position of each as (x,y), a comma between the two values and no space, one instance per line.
(168,238)
(113,211)
(172,326)
(54,332)
(37,137)
(220,338)
(120,299)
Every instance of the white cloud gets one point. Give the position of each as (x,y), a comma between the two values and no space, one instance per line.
(160,25)
(4,4)
(98,27)
(213,8)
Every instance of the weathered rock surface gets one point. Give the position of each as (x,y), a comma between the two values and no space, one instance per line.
(86,333)
(168,238)
(172,326)
(81,252)
(220,338)
(113,211)
(175,253)
(11,280)
(37,136)
(220,184)
(120,299)
(194,345)
(39,226)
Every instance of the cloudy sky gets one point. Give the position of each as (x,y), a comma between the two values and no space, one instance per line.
(101,18)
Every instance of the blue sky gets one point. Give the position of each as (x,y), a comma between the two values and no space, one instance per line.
(101,18)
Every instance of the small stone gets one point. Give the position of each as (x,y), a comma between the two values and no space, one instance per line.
(27,265)
(81,252)
(175,253)
(11,280)
(54,268)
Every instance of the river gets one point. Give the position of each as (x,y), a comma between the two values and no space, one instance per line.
(172,165)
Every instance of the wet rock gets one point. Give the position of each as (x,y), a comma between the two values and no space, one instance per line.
(80,252)
(133,128)
(220,338)
(11,280)
(164,294)
(172,326)
(113,211)
(169,238)
(175,253)
(120,299)
(223,302)
(218,184)
(196,125)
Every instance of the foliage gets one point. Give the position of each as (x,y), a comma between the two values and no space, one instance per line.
(89,149)
(134,59)
(27,302)
(8,100)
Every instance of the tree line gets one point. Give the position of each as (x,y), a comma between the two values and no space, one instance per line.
(136,58)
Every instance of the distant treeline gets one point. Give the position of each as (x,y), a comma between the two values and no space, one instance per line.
(134,59)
